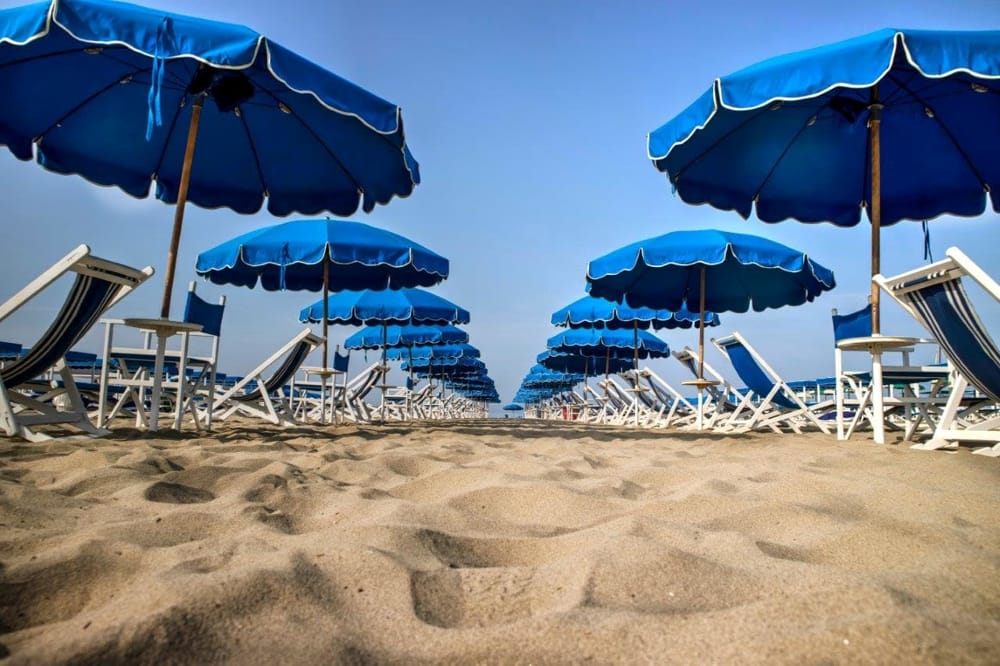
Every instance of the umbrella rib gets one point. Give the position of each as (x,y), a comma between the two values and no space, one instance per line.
(87,100)
(777,162)
(253,151)
(944,128)
(322,143)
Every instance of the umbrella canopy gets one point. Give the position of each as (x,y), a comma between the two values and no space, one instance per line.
(577,363)
(513,407)
(740,272)
(306,254)
(403,306)
(423,352)
(432,364)
(894,122)
(600,342)
(371,337)
(116,93)
(592,312)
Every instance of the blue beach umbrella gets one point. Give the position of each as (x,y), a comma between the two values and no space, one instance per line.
(371,337)
(902,123)
(592,312)
(317,255)
(599,342)
(708,271)
(384,308)
(117,94)
(577,363)
(422,352)
(513,407)
(308,255)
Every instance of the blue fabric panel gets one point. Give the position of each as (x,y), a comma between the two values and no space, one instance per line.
(209,315)
(853,325)
(754,376)
(956,326)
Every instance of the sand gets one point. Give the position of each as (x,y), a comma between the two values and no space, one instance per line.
(495,542)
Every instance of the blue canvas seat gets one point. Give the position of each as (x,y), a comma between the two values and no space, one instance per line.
(29,394)
(769,402)
(935,296)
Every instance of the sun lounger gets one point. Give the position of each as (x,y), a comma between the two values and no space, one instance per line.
(935,296)
(779,406)
(27,400)
(262,395)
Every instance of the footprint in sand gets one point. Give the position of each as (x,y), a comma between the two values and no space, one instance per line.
(176,493)
(453,598)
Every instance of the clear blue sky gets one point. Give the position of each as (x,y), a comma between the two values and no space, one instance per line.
(528,118)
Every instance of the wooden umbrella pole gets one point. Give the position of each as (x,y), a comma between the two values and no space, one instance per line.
(701,326)
(874,123)
(182,193)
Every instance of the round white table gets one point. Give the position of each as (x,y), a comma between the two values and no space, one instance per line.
(164,329)
(874,345)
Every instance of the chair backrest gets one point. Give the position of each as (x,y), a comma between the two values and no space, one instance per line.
(283,373)
(746,366)
(934,295)
(856,324)
(209,315)
(341,361)
(99,284)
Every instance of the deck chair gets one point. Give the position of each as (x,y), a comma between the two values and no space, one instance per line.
(721,399)
(26,400)
(935,296)
(193,361)
(355,408)
(262,396)
(770,403)
(676,410)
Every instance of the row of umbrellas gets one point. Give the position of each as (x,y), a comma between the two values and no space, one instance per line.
(375,275)
(677,280)
(900,124)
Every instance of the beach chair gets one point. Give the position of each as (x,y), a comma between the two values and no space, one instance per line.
(907,396)
(721,398)
(935,296)
(676,410)
(354,406)
(261,395)
(778,405)
(27,399)
(194,362)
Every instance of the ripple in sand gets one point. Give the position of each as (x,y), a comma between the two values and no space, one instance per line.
(177,493)
(777,551)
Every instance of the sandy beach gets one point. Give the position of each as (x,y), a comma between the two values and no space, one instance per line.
(502,541)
